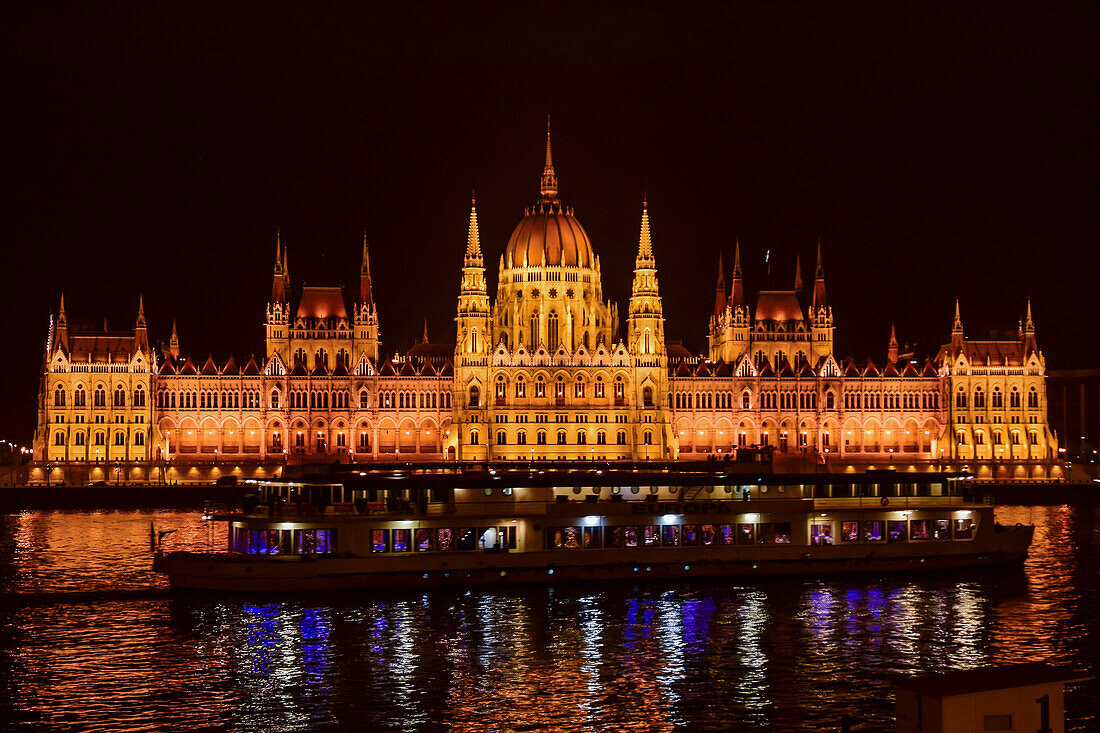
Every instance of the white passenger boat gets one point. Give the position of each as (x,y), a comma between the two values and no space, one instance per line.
(417,527)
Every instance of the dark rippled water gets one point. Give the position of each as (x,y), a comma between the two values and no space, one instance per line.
(91,640)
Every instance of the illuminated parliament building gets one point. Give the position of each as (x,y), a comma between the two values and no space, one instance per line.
(543,368)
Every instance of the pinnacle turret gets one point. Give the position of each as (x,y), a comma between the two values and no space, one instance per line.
(645,244)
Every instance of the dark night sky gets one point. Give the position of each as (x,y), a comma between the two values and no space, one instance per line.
(936,153)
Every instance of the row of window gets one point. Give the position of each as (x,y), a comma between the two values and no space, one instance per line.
(877,530)
(282,541)
(579,391)
(927,400)
(667,535)
(394,400)
(99,438)
(1014,437)
(99,397)
(997,398)
(562,438)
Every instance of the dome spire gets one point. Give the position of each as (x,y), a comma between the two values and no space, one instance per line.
(549,182)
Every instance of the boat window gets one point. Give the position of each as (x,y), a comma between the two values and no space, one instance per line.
(613,537)
(467,539)
(821,533)
(422,540)
(774,533)
(918,529)
(708,534)
(591,538)
(895,531)
(941,529)
(726,534)
(652,535)
(849,531)
(630,536)
(670,535)
(444,539)
(401,540)
(689,534)
(746,534)
(964,529)
(378,540)
(315,541)
(872,530)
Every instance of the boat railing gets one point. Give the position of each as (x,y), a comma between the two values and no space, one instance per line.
(895,502)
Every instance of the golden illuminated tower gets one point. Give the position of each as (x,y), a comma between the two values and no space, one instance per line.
(472,346)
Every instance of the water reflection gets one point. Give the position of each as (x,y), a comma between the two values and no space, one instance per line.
(769,655)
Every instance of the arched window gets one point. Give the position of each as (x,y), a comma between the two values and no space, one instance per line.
(647,396)
(830,401)
(79,396)
(59,438)
(998,399)
(120,438)
(647,438)
(521,387)
(552,330)
(100,398)
(758,360)
(561,437)
(502,437)
(540,437)
(746,400)
(578,389)
(475,396)
(979,398)
(501,387)
(59,397)
(139,438)
(363,399)
(601,438)
(521,437)
(620,438)
(473,341)
(120,397)
(139,397)
(582,437)
(1014,399)
(534,328)
(474,437)
(79,439)
(1032,398)
(364,440)
(960,399)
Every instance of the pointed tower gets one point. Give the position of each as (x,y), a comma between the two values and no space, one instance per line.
(729,330)
(957,329)
(141,334)
(645,340)
(277,324)
(720,290)
(473,343)
(367,334)
(174,342)
(61,331)
(1030,345)
(797,272)
(821,314)
(892,348)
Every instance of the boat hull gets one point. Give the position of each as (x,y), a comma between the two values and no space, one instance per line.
(194,572)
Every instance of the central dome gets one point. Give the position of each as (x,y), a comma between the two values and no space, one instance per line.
(548,235)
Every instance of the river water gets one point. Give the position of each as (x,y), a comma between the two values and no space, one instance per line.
(91,640)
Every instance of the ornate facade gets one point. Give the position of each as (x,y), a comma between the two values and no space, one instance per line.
(543,370)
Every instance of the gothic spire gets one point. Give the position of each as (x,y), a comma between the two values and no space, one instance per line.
(819,299)
(61,313)
(737,289)
(279,278)
(957,326)
(424,339)
(720,289)
(278,251)
(1029,325)
(366,297)
(798,272)
(141,311)
(892,349)
(549,183)
(174,342)
(473,239)
(645,245)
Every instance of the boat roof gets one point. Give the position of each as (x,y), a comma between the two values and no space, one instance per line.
(987,679)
